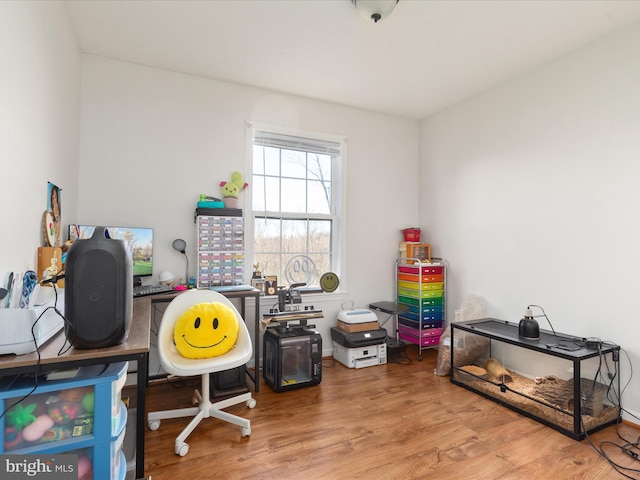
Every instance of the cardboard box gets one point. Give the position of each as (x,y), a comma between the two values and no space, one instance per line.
(358,327)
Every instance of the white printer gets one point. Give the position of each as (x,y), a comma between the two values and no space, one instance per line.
(358,340)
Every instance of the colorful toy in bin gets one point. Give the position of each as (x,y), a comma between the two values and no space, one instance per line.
(19,416)
(35,430)
(88,402)
(85,467)
(74,394)
(12,438)
(64,412)
(55,433)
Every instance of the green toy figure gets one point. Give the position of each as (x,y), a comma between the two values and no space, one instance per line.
(20,416)
(231,190)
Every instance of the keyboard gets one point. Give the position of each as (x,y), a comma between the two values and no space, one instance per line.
(144,290)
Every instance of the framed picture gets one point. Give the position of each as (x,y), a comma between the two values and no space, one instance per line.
(51,220)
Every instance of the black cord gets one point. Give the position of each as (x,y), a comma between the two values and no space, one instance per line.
(627,447)
(35,382)
(400,359)
(66,322)
(545,316)
(37,347)
(328,363)
(155,326)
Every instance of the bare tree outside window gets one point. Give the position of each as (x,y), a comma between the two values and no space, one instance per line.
(293,206)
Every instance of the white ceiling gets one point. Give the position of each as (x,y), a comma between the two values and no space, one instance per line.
(425,56)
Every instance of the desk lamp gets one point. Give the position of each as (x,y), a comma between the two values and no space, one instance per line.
(180,245)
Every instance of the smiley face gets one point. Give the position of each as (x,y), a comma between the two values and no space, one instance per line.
(206,330)
(329,282)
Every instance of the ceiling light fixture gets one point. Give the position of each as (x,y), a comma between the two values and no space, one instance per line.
(375,9)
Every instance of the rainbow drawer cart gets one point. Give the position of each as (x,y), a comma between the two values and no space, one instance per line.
(421,288)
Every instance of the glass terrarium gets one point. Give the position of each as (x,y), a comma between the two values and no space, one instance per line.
(560,380)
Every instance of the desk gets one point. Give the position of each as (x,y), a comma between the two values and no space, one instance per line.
(392,308)
(135,348)
(231,294)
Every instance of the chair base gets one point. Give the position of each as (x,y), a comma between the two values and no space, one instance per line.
(204,409)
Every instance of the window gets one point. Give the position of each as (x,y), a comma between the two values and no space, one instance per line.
(296,201)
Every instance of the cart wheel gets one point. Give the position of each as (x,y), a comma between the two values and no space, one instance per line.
(182,450)
(246,431)
(420,357)
(251,403)
(154,424)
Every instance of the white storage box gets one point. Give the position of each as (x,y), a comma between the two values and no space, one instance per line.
(17,323)
(357,316)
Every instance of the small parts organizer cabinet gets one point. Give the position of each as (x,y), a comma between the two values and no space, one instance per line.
(421,288)
(84,416)
(220,251)
(538,378)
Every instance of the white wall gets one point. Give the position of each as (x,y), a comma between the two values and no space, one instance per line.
(530,190)
(39,123)
(153,140)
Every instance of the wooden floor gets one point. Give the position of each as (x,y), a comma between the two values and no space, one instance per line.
(394,421)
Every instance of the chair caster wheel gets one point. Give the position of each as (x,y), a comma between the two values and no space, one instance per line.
(246,432)
(182,450)
(251,403)
(154,424)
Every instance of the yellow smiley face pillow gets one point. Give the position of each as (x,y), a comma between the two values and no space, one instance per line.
(206,330)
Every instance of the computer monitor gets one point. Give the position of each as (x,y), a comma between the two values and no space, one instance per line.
(139,241)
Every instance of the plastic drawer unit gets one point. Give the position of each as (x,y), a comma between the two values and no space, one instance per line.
(421,289)
(220,251)
(82,415)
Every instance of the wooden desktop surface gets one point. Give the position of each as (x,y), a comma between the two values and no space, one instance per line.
(137,342)
(56,353)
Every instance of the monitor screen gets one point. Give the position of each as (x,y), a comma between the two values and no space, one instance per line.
(139,241)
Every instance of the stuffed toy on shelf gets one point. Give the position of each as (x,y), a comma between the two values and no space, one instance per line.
(231,190)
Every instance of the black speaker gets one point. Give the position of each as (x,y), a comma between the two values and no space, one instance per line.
(99,291)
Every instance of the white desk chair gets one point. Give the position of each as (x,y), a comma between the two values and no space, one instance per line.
(174,363)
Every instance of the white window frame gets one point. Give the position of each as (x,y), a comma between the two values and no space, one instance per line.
(338,192)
